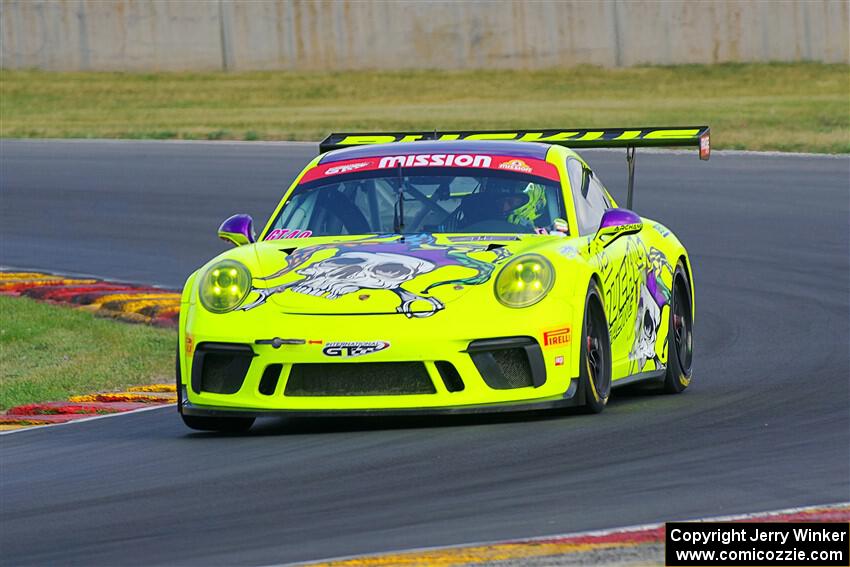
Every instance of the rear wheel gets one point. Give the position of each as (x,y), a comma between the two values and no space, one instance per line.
(680,338)
(595,363)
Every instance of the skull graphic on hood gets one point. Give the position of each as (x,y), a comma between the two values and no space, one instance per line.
(352,271)
(385,262)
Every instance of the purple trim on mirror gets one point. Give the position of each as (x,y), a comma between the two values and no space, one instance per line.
(241,224)
(619,217)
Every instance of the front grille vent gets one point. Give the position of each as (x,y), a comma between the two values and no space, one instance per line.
(220,368)
(449,374)
(508,363)
(514,365)
(359,379)
(268,383)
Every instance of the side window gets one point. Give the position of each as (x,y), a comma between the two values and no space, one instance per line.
(597,196)
(588,195)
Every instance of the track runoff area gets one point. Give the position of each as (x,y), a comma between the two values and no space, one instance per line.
(816,535)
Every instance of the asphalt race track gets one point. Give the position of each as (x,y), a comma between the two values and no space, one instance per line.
(765,425)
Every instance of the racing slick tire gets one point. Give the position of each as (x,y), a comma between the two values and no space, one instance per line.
(595,362)
(204,423)
(680,338)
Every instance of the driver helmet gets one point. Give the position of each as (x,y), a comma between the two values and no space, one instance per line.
(531,206)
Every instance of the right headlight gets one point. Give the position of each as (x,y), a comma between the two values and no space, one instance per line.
(224,286)
(524,281)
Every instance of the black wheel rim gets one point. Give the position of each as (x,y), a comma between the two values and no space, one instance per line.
(683,328)
(595,351)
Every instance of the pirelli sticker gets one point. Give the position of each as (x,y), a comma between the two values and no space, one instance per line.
(556,337)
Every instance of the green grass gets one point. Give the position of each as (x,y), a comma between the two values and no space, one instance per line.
(48,353)
(792,107)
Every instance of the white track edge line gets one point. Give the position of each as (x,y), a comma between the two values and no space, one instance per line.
(604,532)
(84,419)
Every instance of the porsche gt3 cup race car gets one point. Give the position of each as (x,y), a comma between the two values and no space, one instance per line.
(439,272)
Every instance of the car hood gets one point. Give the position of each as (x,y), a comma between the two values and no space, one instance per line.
(416,275)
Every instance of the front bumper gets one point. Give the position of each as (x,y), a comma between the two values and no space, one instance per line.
(456,371)
(570,399)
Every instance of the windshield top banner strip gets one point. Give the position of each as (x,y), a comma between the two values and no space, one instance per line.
(655,136)
(530,166)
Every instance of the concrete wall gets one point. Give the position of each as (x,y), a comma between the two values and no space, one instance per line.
(148,35)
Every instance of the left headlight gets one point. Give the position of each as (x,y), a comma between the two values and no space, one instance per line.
(524,281)
(224,286)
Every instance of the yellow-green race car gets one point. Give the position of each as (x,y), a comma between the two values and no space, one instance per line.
(439,272)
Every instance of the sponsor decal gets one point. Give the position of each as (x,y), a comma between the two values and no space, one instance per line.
(556,337)
(627,228)
(347,167)
(530,166)
(354,349)
(287,233)
(552,136)
(481,238)
(662,230)
(569,251)
(704,147)
(516,165)
(447,160)
(559,361)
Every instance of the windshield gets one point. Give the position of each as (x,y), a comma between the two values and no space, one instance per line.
(420,199)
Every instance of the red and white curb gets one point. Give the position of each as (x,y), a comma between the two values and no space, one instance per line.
(128,302)
(87,407)
(562,547)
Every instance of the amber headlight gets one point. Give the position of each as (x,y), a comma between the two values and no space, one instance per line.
(224,286)
(524,281)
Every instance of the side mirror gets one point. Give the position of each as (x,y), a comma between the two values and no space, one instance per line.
(238,230)
(616,223)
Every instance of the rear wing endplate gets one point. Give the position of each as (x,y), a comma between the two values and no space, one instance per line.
(629,138)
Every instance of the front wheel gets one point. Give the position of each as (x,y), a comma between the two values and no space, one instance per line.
(595,363)
(680,337)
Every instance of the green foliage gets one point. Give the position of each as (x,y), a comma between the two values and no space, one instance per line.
(48,353)
(777,106)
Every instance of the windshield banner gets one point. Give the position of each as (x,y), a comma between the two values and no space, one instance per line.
(530,166)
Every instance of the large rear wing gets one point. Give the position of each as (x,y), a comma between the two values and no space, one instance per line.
(650,137)
(629,138)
